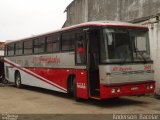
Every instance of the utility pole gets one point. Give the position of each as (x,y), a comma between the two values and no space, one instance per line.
(86,11)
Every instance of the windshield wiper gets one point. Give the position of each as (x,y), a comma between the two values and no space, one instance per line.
(141,54)
(125,58)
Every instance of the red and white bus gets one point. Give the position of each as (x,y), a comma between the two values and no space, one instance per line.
(100,60)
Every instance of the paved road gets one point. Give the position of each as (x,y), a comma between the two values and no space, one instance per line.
(30,100)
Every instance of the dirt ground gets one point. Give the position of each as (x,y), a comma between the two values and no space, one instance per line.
(30,100)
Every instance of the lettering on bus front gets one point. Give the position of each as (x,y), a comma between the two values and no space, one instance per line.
(147,67)
(121,69)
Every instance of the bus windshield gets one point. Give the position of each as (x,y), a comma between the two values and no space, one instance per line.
(120,45)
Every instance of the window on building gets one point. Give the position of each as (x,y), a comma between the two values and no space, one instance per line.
(53,43)
(28,47)
(68,41)
(19,48)
(10,49)
(39,45)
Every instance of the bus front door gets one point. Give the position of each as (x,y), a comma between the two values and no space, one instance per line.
(82,90)
(87,62)
(94,82)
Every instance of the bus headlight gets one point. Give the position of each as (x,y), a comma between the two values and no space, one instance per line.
(116,90)
(149,86)
(113,90)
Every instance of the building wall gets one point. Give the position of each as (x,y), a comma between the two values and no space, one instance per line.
(154,34)
(134,9)
(122,10)
(102,10)
(1,48)
(77,12)
(1,53)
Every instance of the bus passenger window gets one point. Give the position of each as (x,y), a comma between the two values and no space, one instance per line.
(39,45)
(5,50)
(68,43)
(28,47)
(10,49)
(53,43)
(19,48)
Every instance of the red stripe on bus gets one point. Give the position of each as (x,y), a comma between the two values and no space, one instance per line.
(35,76)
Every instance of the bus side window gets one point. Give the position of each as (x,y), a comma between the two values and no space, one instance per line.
(68,41)
(28,47)
(53,43)
(10,49)
(39,45)
(19,48)
(6,51)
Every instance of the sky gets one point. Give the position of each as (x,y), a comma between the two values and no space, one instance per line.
(25,18)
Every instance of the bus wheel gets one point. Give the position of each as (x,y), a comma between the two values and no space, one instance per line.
(18,80)
(75,91)
(70,85)
(4,81)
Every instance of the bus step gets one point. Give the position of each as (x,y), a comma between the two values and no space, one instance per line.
(98,90)
(95,97)
(95,92)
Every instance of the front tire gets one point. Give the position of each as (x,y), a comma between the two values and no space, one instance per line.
(18,80)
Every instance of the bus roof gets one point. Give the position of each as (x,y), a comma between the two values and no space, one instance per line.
(87,24)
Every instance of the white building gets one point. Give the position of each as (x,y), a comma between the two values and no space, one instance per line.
(153,23)
(1,48)
(1,52)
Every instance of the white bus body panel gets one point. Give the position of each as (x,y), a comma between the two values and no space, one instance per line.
(116,74)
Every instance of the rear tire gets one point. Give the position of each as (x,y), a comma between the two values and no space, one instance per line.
(4,81)
(18,80)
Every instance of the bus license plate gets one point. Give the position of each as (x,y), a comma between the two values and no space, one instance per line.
(134,88)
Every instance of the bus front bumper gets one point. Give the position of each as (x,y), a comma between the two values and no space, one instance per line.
(134,89)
